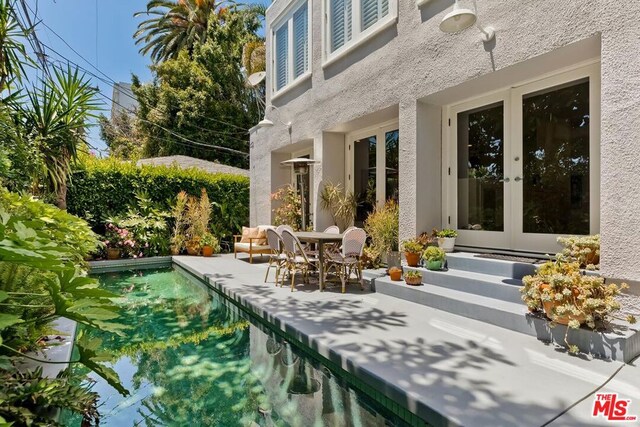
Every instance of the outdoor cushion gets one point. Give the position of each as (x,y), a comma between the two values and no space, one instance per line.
(245,247)
(259,232)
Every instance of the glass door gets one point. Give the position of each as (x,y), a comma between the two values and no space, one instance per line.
(372,167)
(556,159)
(523,164)
(481,201)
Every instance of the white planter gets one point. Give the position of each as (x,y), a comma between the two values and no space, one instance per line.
(447,243)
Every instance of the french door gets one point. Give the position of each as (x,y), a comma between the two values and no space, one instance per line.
(523,164)
(371,168)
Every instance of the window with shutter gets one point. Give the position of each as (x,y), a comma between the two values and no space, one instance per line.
(290,45)
(352,20)
(300,41)
(282,53)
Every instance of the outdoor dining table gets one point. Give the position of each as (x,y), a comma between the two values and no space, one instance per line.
(320,239)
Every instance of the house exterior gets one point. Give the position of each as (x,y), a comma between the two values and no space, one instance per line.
(123,99)
(515,141)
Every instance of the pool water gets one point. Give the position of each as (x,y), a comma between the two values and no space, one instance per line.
(190,358)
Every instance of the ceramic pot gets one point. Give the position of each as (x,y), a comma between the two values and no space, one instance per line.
(447,243)
(412,258)
(413,281)
(207,251)
(113,253)
(564,320)
(434,265)
(396,275)
(193,250)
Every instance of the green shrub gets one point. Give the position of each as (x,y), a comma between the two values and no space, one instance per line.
(104,188)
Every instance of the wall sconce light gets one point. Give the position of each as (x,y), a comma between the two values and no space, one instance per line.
(461,18)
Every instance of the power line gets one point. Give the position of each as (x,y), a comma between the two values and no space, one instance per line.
(44,24)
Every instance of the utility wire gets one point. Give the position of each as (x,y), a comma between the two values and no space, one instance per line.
(105,75)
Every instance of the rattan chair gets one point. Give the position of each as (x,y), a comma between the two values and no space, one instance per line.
(277,257)
(297,260)
(347,262)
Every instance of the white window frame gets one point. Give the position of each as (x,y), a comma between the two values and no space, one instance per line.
(358,36)
(286,18)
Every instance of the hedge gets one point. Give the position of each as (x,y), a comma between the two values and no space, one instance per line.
(103,188)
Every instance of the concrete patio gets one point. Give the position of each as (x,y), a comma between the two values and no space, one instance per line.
(449,370)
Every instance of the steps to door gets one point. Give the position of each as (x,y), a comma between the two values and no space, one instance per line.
(488,290)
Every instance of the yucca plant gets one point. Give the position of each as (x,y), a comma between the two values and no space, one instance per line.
(340,204)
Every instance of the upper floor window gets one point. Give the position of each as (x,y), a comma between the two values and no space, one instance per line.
(350,21)
(291,36)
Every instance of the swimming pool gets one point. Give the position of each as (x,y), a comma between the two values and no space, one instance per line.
(190,357)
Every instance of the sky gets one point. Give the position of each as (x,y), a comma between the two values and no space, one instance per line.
(102,32)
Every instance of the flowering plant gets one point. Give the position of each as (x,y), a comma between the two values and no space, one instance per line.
(119,238)
(569,297)
(290,210)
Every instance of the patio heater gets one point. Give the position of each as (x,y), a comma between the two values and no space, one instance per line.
(300,169)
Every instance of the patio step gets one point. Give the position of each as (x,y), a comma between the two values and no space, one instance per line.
(469,261)
(622,344)
(485,285)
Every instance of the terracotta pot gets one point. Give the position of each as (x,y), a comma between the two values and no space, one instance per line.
(592,258)
(413,281)
(193,250)
(396,275)
(564,320)
(207,251)
(113,253)
(412,258)
(434,265)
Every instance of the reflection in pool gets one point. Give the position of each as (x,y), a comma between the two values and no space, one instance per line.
(191,358)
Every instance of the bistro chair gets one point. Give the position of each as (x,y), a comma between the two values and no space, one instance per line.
(277,257)
(297,259)
(347,261)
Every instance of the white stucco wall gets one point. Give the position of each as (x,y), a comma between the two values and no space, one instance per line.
(416,68)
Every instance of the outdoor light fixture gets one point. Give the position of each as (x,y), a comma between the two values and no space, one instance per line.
(266,123)
(461,18)
(301,166)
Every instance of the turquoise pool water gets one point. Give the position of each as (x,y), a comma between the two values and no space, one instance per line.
(191,358)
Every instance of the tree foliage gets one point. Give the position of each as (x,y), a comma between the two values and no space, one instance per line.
(120,134)
(199,97)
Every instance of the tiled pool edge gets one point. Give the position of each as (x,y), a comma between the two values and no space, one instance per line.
(371,383)
(108,266)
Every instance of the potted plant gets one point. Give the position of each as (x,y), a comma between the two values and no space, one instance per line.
(198,213)
(585,250)
(434,258)
(179,213)
(210,244)
(413,278)
(395,273)
(568,297)
(447,239)
(118,241)
(412,251)
(382,226)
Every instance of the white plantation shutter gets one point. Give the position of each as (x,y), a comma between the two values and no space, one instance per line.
(369,9)
(341,27)
(300,41)
(282,53)
(384,7)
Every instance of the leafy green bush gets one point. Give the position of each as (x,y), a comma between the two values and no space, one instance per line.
(42,278)
(103,188)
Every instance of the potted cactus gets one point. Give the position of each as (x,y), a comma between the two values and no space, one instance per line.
(434,258)
(395,273)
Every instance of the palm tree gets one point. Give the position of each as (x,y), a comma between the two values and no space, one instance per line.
(54,119)
(176,25)
(13,55)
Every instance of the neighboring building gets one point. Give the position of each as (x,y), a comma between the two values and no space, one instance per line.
(186,162)
(123,99)
(513,142)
